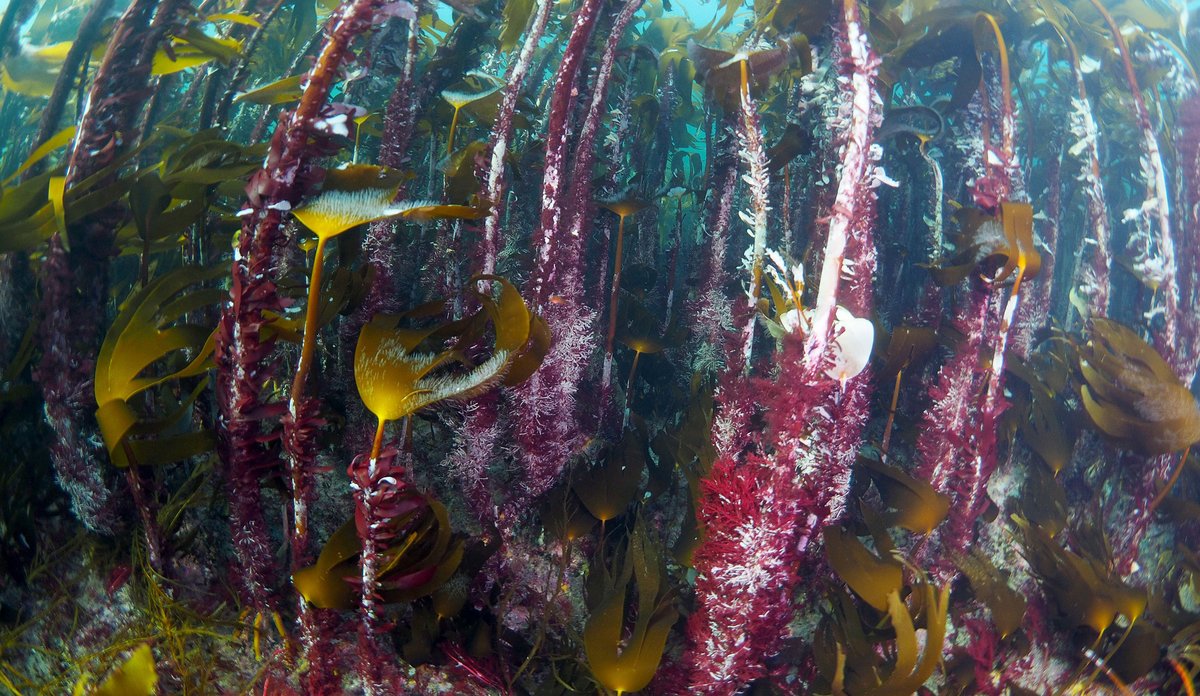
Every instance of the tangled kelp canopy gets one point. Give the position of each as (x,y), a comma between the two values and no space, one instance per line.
(602,346)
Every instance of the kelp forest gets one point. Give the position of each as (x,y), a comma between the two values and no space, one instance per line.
(554,347)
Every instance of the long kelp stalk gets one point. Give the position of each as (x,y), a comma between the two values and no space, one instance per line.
(243,354)
(546,421)
(481,434)
(547,239)
(495,184)
(572,248)
(764,502)
(861,67)
(81,48)
(1156,252)
(753,155)
(75,282)
(1095,263)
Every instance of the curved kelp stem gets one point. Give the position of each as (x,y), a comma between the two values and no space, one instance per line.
(244,354)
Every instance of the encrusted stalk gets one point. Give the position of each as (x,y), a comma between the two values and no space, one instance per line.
(862,102)
(243,357)
(502,132)
(380,496)
(753,153)
(547,240)
(765,501)
(546,419)
(1156,252)
(75,283)
(1095,263)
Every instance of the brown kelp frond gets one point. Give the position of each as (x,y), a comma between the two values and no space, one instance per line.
(990,587)
(458,99)
(136,676)
(1083,591)
(722,74)
(624,205)
(350,196)
(424,555)
(858,655)
(1131,394)
(872,577)
(607,487)
(149,343)
(1042,500)
(624,659)
(395,380)
(914,504)
(998,246)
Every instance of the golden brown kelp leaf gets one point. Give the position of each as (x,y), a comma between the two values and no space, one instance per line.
(907,346)
(564,515)
(459,168)
(395,380)
(529,359)
(1043,501)
(461,98)
(984,241)
(27,216)
(795,141)
(149,343)
(913,664)
(855,666)
(1080,588)
(608,488)
(625,660)
(721,71)
(915,505)
(424,556)
(1046,431)
(136,676)
(640,329)
(1131,394)
(278,92)
(350,196)
(991,588)
(1139,652)
(872,578)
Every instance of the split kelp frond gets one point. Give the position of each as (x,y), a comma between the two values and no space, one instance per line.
(1132,395)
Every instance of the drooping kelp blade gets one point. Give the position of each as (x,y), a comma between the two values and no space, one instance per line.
(395,380)
(151,342)
(136,676)
(1132,395)
(623,659)
(872,578)
(984,241)
(350,196)
(423,556)
(279,92)
(915,504)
